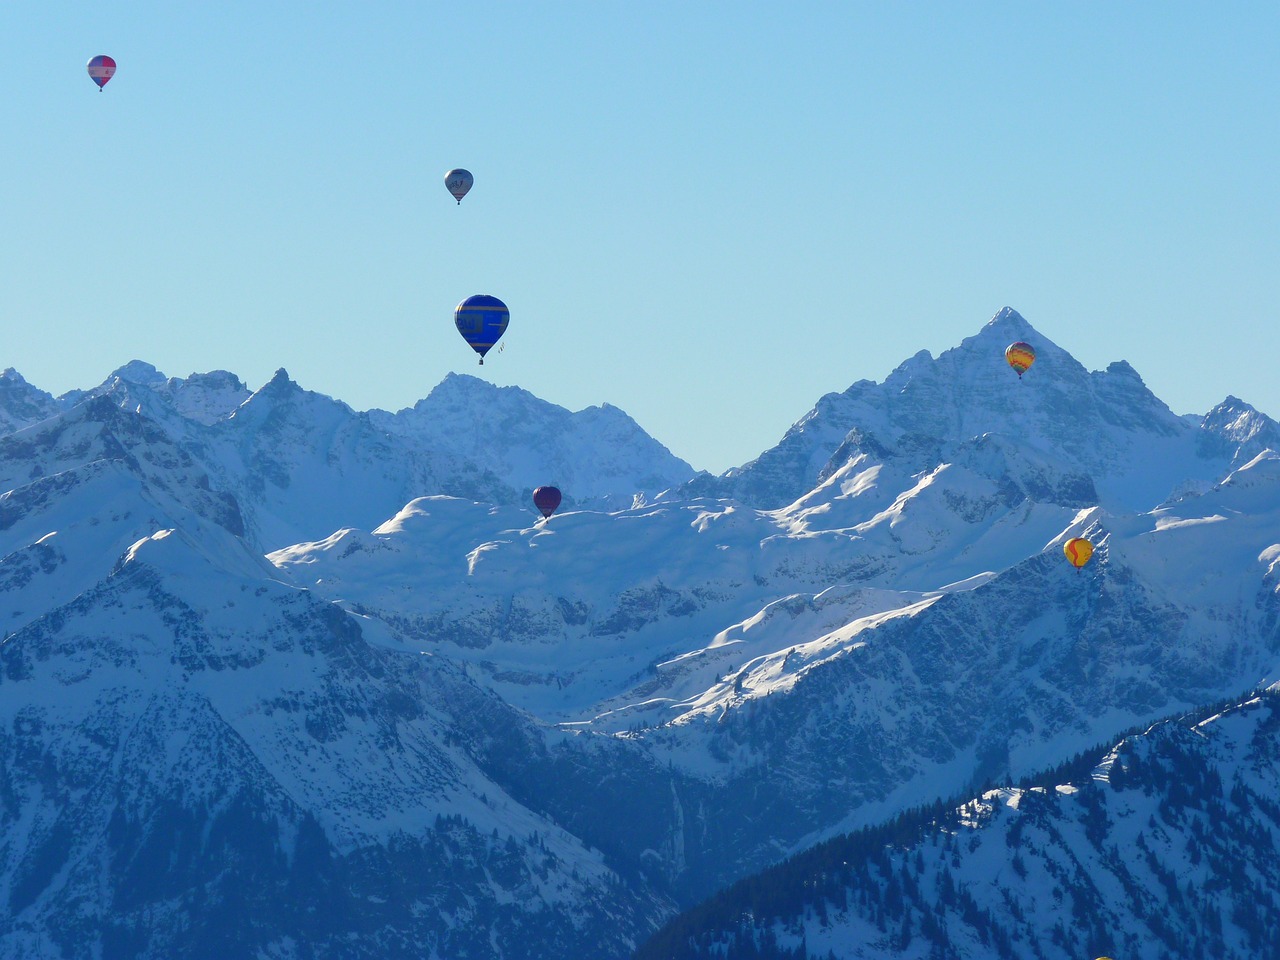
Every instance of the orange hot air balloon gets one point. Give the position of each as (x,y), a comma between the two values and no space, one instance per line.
(1078,551)
(1020,356)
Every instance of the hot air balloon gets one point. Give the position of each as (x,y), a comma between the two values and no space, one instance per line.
(546,499)
(1078,551)
(459,181)
(1020,356)
(101,69)
(481,320)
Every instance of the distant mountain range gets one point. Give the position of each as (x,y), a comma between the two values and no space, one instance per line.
(284,679)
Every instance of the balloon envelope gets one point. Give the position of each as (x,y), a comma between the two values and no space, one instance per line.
(481,320)
(1020,356)
(1078,551)
(459,181)
(546,499)
(101,69)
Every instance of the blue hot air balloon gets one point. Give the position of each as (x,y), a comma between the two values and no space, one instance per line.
(481,320)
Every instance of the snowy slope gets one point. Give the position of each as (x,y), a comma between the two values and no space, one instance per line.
(462,728)
(186,741)
(593,608)
(905,628)
(1165,850)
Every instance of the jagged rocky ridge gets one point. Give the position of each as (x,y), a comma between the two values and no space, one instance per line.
(301,464)
(1104,424)
(666,696)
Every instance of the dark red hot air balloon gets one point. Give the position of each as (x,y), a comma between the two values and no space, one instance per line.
(546,499)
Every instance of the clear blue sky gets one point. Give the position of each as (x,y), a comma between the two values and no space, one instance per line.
(707,214)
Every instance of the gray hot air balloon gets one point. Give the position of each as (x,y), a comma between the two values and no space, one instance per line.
(459,181)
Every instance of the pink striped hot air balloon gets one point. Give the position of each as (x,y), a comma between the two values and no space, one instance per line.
(101,69)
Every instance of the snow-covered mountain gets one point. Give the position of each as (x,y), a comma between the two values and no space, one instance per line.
(301,464)
(1104,424)
(341,653)
(21,404)
(596,454)
(201,760)
(1165,849)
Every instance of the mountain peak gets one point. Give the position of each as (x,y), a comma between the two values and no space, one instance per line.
(1007,315)
(1011,324)
(1233,403)
(216,378)
(279,386)
(140,372)
(454,382)
(21,404)
(464,384)
(1004,328)
(459,392)
(1241,424)
(1125,369)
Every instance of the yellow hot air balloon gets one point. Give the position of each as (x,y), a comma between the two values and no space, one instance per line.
(1020,356)
(1078,551)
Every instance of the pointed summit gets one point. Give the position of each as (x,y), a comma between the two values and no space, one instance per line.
(279,388)
(281,392)
(1006,327)
(1239,427)
(266,398)
(1010,324)
(1007,315)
